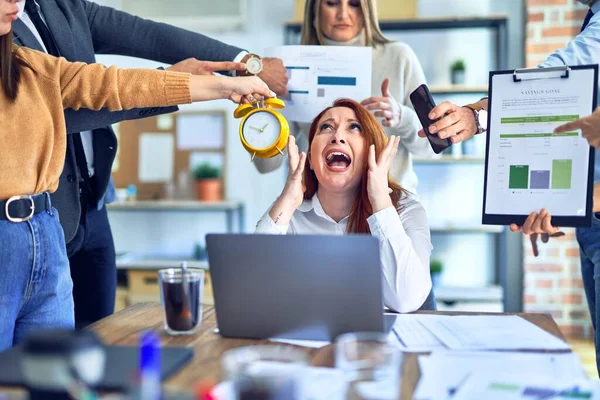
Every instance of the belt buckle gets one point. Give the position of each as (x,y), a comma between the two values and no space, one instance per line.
(15,198)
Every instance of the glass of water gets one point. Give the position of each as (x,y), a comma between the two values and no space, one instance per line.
(181,298)
(269,372)
(370,364)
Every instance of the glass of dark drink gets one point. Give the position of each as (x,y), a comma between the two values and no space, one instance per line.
(265,372)
(181,296)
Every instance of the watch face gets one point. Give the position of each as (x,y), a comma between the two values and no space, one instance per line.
(261,130)
(254,65)
(482,117)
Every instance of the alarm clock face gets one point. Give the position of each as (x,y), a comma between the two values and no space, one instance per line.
(261,130)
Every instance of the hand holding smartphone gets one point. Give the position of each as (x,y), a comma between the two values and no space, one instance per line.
(423,104)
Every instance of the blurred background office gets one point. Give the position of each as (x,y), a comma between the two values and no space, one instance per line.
(166,162)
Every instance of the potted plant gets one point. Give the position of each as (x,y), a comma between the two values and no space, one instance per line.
(436,267)
(199,252)
(458,72)
(208,182)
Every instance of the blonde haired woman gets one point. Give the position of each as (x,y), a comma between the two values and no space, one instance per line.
(396,73)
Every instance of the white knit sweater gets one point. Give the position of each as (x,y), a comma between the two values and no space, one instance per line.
(398,62)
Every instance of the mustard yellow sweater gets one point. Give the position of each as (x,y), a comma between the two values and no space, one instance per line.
(32,127)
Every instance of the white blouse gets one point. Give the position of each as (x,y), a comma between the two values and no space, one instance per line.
(404,245)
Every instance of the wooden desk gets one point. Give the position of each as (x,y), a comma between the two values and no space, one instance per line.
(124,328)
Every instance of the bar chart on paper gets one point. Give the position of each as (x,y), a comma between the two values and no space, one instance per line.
(532,162)
(318,75)
(537,148)
(522,177)
(537,168)
(528,166)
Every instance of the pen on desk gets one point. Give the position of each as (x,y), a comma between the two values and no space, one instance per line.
(149,366)
(398,337)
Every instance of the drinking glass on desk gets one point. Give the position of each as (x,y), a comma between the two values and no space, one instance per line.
(265,372)
(370,364)
(180,298)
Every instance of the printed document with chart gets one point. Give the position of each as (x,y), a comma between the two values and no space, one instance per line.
(318,75)
(528,167)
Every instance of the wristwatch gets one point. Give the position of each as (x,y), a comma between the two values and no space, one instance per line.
(480,117)
(254,65)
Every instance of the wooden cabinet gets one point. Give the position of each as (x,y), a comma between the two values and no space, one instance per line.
(143,287)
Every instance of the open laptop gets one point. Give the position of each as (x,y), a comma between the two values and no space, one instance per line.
(296,286)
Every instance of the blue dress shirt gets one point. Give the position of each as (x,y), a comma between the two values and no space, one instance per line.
(583,49)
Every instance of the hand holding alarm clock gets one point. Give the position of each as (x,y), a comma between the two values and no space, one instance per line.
(264,131)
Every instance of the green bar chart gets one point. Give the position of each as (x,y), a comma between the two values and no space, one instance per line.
(561,174)
(524,177)
(518,177)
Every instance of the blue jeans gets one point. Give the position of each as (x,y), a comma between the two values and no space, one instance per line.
(589,247)
(35,283)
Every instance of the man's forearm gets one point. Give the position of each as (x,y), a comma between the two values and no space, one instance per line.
(116,32)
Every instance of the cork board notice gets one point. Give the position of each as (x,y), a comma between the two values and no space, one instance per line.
(157,151)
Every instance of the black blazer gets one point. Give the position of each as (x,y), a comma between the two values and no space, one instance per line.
(82,29)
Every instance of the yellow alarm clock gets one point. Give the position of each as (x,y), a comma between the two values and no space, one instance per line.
(264,131)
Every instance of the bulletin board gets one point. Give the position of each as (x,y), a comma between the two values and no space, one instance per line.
(154,152)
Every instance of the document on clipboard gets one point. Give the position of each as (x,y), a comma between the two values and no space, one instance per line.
(528,167)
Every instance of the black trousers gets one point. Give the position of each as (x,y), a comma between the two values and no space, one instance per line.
(93,267)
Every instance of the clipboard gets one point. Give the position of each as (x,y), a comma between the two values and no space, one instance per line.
(522,183)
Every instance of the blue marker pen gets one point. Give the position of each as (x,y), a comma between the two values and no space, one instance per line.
(149,366)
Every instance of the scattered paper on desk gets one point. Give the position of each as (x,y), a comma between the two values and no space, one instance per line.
(531,386)
(412,336)
(314,344)
(443,372)
(320,74)
(156,157)
(200,131)
(490,332)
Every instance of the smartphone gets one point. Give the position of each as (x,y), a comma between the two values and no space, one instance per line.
(423,104)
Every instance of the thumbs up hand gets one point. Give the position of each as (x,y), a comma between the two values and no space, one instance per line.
(385,107)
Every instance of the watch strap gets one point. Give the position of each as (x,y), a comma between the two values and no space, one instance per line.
(475,109)
(474,106)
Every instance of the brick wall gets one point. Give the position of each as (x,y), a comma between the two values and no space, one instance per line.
(553,279)
(553,284)
(550,24)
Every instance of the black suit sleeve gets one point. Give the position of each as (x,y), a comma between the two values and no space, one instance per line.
(117,32)
(85,119)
